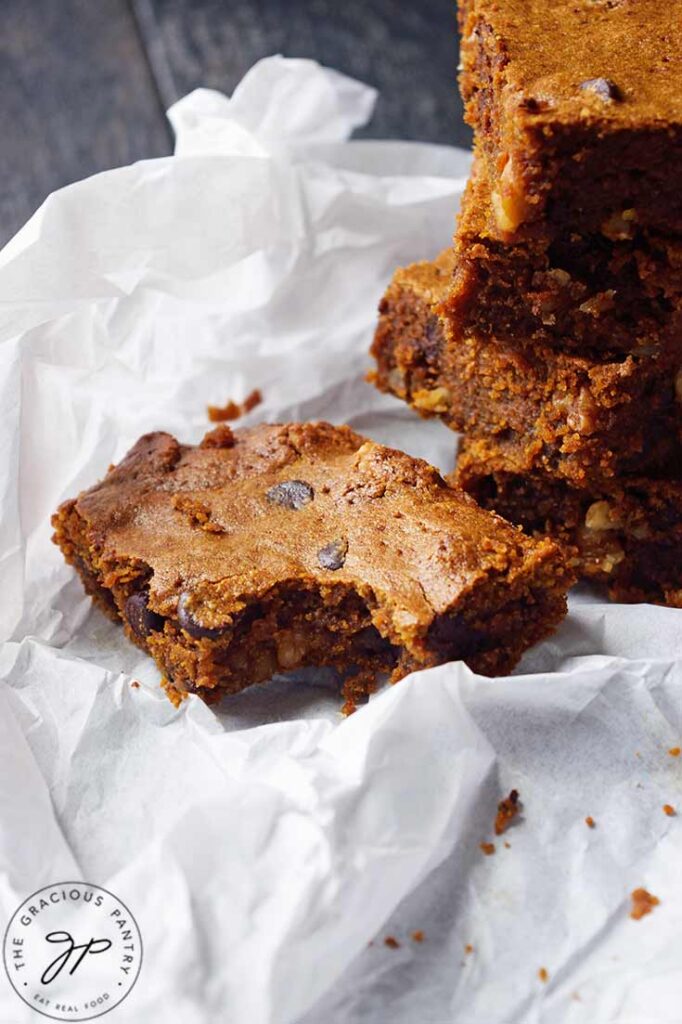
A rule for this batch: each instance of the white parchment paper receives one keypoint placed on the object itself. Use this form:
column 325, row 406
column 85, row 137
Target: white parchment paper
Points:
column 262, row 845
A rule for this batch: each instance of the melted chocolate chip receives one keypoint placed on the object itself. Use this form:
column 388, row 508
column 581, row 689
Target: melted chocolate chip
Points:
column 450, row 637
column 292, row 494
column 141, row 618
column 332, row 556
column 370, row 641
column 190, row 625
column 433, row 341
column 604, row 88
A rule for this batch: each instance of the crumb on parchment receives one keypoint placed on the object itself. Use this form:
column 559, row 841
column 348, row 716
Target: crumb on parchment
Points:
column 135, row 685
column 590, row 822
column 507, row 810
column 391, row 942
column 642, row 903
column 542, row 974
column 669, row 810
column 487, row 848
column 675, row 751
column 418, row 936
column 468, row 948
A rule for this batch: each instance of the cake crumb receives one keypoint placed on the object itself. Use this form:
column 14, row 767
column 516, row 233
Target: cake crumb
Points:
column 542, row 974
column 232, row 410
column 487, row 848
column 418, row 936
column 507, row 845
column 220, row 413
column 135, row 685
column 391, row 942
column 675, row 751
column 507, row 810
column 468, row 948
column 642, row 903
column 253, row 399
column 669, row 810
column 590, row 822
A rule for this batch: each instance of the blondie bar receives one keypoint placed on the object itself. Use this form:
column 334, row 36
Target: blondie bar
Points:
column 627, row 535
column 278, row 547
column 582, row 419
column 577, row 108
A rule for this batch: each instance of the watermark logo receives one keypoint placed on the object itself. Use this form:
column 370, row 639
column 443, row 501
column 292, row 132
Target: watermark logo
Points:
column 72, row 951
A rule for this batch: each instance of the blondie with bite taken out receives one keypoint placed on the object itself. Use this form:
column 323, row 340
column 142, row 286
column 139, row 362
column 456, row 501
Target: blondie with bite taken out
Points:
column 269, row 549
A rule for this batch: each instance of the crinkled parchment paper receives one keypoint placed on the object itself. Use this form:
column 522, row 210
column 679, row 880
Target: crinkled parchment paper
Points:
column 263, row 844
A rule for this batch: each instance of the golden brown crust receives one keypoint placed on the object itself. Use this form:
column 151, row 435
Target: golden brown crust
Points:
column 304, row 544
column 578, row 107
column 547, row 50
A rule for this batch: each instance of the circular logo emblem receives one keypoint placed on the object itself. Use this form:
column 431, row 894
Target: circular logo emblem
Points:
column 72, row 951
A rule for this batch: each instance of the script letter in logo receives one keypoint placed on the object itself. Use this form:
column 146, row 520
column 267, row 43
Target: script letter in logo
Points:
column 72, row 951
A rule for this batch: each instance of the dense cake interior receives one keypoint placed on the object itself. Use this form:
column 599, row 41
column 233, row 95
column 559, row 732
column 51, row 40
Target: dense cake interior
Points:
column 305, row 624
column 628, row 537
column 617, row 290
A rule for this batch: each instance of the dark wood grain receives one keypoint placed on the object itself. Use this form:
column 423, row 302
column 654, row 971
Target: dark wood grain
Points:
column 76, row 96
column 84, row 83
column 407, row 50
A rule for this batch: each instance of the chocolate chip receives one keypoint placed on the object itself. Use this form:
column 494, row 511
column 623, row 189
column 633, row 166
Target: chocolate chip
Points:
column 370, row 641
column 332, row 556
column 291, row 494
column 450, row 637
column 190, row 625
column 141, row 618
column 433, row 341
column 604, row 88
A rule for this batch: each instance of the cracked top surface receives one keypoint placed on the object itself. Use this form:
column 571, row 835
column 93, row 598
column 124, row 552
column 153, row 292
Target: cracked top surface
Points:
column 618, row 62
column 246, row 511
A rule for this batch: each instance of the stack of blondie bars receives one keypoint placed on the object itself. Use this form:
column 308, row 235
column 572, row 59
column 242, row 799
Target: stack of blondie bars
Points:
column 551, row 333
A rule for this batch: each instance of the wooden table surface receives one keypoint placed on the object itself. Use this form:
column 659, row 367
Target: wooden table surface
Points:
column 85, row 83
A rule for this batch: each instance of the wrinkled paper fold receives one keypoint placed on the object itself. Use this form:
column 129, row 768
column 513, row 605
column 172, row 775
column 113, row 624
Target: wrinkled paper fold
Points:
column 264, row 843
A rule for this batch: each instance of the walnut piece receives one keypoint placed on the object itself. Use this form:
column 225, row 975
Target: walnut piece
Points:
column 620, row 226
column 433, row 400
column 291, row 648
column 600, row 516
column 508, row 201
